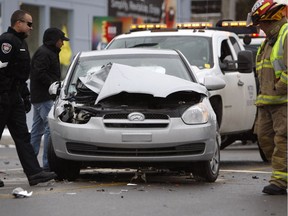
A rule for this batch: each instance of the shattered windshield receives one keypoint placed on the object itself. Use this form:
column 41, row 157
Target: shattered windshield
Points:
column 198, row 50
column 167, row 64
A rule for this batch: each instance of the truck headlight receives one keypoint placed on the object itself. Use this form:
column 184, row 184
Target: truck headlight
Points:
column 197, row 114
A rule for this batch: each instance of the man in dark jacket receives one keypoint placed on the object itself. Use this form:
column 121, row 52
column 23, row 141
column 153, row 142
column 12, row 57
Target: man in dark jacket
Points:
column 45, row 69
column 14, row 94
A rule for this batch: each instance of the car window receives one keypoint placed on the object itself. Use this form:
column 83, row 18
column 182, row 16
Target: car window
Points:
column 197, row 50
column 165, row 64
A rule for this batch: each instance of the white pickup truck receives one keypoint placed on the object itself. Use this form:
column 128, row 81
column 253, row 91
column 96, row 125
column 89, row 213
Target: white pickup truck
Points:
column 215, row 53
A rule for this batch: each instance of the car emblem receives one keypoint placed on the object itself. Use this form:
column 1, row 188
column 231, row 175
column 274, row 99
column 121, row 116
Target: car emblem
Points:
column 136, row 116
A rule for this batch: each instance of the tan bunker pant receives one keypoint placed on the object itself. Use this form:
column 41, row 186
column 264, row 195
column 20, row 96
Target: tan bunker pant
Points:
column 272, row 137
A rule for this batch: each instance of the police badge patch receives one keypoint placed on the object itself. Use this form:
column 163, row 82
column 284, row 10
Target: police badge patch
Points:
column 6, row 48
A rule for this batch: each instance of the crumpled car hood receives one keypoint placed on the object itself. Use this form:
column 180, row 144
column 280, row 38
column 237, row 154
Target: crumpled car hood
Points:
column 112, row 80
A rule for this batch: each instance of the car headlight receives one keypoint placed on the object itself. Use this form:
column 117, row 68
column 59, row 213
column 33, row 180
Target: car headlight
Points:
column 197, row 114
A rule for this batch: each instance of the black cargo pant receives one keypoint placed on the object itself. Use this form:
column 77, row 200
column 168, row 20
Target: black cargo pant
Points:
column 12, row 114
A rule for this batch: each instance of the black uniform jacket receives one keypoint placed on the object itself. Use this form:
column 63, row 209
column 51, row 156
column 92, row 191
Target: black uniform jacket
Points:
column 15, row 62
column 45, row 69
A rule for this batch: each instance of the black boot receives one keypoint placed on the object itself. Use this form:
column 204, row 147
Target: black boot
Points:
column 274, row 190
column 1, row 183
column 41, row 177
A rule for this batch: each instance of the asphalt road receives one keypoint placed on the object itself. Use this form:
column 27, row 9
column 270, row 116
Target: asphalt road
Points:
column 236, row 192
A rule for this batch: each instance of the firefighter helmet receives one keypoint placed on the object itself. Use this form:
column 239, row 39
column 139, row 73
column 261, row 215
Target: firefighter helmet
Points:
column 265, row 10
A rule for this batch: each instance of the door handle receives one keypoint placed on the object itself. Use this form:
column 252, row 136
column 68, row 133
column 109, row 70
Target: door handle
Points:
column 240, row 83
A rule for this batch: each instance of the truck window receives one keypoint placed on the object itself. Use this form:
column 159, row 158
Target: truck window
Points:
column 225, row 52
column 226, row 58
column 197, row 50
column 235, row 44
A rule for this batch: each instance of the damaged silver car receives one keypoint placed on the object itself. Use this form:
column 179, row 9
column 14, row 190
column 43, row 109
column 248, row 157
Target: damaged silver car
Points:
column 131, row 108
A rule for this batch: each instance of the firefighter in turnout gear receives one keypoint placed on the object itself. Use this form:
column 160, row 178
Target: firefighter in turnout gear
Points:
column 271, row 68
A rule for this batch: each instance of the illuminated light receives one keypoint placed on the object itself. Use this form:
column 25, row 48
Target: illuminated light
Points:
column 148, row 26
column 253, row 35
column 194, row 25
column 234, row 23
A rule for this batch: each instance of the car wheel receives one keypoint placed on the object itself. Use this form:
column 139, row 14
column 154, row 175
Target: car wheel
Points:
column 209, row 170
column 65, row 169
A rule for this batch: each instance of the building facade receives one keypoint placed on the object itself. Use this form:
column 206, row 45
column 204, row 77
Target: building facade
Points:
column 85, row 20
column 79, row 16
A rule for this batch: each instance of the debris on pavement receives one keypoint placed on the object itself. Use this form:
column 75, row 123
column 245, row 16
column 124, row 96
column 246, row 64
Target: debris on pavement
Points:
column 20, row 193
column 139, row 175
column 71, row 193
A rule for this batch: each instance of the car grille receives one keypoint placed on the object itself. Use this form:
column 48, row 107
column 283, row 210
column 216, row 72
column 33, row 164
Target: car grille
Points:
column 125, row 116
column 91, row 150
column 120, row 120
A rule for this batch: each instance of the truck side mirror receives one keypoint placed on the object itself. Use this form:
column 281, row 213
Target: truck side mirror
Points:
column 245, row 61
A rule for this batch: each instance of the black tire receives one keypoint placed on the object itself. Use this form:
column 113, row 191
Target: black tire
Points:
column 226, row 141
column 262, row 155
column 209, row 170
column 65, row 169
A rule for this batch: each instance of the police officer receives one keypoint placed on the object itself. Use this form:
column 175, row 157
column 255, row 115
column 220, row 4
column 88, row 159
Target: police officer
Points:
column 271, row 68
column 14, row 94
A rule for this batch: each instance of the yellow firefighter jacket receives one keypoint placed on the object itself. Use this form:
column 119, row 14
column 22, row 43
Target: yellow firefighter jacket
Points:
column 271, row 68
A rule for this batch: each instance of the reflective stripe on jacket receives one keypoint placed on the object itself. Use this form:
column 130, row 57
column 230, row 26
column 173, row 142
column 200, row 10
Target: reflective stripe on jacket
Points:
column 271, row 69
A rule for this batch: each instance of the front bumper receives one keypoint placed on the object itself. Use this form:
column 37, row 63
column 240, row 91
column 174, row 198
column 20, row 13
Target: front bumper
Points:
column 93, row 141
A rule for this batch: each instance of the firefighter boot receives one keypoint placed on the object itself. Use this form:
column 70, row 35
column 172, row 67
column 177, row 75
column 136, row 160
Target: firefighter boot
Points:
column 274, row 190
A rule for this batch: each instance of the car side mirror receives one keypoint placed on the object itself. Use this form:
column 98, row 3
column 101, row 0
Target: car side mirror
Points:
column 214, row 83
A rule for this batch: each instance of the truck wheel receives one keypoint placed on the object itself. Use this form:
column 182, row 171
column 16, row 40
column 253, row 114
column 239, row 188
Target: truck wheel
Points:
column 262, row 155
column 209, row 170
column 65, row 169
column 226, row 141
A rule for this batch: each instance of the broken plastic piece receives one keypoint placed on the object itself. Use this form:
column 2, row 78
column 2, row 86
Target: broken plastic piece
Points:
column 20, row 193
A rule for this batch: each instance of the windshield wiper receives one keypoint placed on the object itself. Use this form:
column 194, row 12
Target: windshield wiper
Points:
column 144, row 45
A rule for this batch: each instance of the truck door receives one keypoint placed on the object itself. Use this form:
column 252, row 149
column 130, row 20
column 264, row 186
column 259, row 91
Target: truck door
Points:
column 239, row 93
